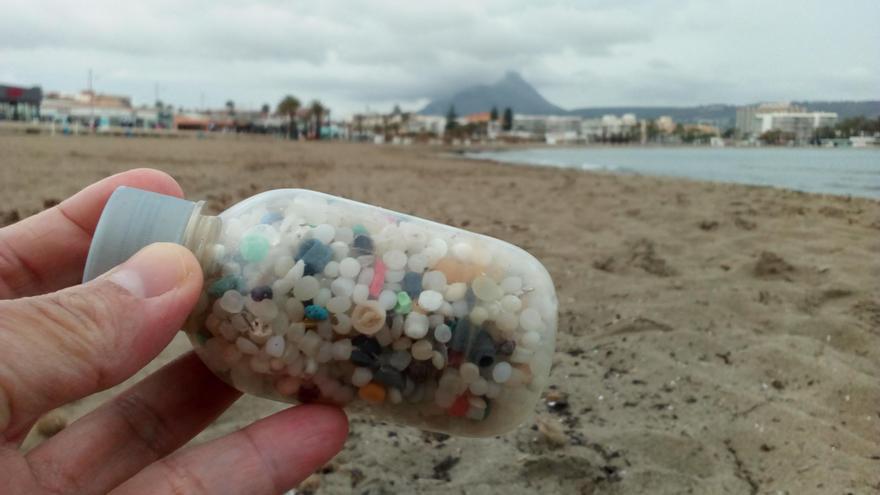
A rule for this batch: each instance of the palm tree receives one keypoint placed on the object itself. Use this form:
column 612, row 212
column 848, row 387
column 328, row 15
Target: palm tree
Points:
column 230, row 107
column 317, row 111
column 289, row 105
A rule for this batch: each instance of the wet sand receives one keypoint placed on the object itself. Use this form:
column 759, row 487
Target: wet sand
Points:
column 713, row 338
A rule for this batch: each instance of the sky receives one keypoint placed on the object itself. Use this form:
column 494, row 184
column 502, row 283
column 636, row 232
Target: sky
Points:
column 358, row 55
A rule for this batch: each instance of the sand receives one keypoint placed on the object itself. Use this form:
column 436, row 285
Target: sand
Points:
column 713, row 338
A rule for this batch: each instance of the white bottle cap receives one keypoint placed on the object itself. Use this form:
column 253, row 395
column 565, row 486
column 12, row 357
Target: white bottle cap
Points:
column 133, row 219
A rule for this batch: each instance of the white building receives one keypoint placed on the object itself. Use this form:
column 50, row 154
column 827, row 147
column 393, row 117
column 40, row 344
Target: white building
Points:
column 425, row 124
column 801, row 124
column 747, row 126
column 603, row 128
column 553, row 128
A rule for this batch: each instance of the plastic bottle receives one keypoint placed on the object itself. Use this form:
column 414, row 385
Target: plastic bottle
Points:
column 314, row 298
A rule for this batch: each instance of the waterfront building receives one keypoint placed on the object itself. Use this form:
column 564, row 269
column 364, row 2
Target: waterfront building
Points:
column 19, row 103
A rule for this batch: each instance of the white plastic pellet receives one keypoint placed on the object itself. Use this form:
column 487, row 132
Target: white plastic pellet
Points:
column 324, row 233
column 339, row 304
column 430, row 300
column 435, row 280
column 511, row 285
column 232, row 301
column 246, row 346
column 306, row 288
column 387, row 299
column 511, row 303
column 443, row 333
column 331, row 269
column 455, row 292
column 349, row 268
column 416, row 326
column 360, row 294
column 501, row 372
column 275, row 346
column 530, row 320
column 342, row 287
column 361, row 376
column 395, row 259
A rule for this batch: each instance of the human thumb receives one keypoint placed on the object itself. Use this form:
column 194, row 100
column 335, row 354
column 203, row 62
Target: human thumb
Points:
column 62, row 346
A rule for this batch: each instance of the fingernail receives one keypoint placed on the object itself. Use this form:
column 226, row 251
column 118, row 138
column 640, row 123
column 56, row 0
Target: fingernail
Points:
column 152, row 271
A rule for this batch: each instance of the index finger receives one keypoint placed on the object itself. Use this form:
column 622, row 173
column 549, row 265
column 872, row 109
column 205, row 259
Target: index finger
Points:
column 47, row 251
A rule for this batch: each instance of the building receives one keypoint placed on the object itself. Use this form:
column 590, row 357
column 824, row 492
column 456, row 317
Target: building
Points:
column 425, row 124
column 665, row 124
column 608, row 127
column 17, row 103
column 553, row 128
column 98, row 110
column 801, row 125
column 747, row 126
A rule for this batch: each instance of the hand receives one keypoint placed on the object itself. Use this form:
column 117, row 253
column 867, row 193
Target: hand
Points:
column 60, row 341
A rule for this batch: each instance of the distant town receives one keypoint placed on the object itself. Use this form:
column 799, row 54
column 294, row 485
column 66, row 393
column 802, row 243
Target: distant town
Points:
column 779, row 124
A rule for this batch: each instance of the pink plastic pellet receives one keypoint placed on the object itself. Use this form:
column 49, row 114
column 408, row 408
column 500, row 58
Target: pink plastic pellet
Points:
column 378, row 278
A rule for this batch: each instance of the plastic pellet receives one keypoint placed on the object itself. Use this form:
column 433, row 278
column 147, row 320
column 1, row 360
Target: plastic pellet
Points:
column 368, row 317
column 422, row 350
column 501, row 372
column 404, row 303
column 306, row 288
column 275, row 346
column 442, row 334
column 530, row 319
column 232, row 301
column 372, row 392
column 254, row 248
column 361, row 377
column 416, row 326
column 315, row 312
column 430, row 300
column 349, row 268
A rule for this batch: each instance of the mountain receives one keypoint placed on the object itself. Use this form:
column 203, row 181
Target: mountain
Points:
column 514, row 92
column 844, row 109
column 511, row 91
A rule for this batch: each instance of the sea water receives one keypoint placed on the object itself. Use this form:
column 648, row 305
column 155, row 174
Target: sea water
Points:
column 854, row 172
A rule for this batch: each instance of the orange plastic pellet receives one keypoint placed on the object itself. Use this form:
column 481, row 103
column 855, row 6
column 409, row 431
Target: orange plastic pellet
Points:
column 372, row 392
column 457, row 271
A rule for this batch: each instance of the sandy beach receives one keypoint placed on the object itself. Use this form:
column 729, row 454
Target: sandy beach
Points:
column 713, row 338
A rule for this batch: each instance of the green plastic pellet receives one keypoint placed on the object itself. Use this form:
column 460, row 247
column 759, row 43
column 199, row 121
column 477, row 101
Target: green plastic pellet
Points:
column 404, row 303
column 359, row 230
column 221, row 285
column 254, row 248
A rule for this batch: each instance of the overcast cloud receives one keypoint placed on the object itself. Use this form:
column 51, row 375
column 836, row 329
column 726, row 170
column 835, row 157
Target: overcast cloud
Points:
column 354, row 54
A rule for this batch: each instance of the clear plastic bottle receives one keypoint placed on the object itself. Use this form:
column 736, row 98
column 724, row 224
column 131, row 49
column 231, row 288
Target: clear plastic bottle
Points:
column 314, row 298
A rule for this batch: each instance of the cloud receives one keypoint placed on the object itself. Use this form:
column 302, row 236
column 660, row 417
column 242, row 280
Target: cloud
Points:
column 356, row 53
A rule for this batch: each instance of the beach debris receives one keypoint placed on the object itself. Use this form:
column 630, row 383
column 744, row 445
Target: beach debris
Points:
column 51, row 423
column 551, row 430
column 708, row 225
column 770, row 264
column 442, row 468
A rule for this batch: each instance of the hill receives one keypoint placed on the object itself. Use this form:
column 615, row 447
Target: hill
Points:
column 511, row 91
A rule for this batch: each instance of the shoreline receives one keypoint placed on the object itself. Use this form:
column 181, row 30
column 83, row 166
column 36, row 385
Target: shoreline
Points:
column 482, row 155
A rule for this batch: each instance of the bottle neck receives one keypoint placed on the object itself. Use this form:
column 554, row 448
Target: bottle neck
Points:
column 201, row 236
